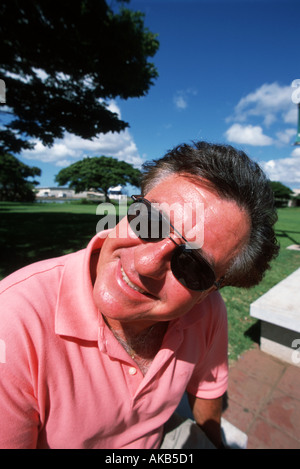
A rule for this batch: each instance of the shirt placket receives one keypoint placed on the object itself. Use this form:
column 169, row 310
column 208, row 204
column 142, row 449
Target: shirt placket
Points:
column 109, row 345
column 171, row 343
column 137, row 384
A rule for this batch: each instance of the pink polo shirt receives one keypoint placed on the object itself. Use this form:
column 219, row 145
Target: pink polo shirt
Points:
column 65, row 381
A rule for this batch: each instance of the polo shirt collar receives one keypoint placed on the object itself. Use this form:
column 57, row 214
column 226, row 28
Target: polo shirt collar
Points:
column 76, row 313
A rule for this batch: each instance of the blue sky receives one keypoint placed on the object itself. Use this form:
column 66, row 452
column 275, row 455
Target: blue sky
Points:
column 226, row 70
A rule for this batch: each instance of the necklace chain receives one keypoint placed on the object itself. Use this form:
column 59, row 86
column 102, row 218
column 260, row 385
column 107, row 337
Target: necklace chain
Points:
column 138, row 343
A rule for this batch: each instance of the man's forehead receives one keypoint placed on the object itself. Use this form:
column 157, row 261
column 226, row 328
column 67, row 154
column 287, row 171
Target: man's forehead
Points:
column 182, row 189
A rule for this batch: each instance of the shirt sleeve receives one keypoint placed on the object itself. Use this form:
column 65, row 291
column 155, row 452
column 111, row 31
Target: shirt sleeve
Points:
column 19, row 420
column 210, row 376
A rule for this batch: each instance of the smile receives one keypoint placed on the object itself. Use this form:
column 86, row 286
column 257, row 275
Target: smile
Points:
column 130, row 284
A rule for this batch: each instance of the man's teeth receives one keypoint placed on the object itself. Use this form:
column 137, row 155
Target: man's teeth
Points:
column 126, row 280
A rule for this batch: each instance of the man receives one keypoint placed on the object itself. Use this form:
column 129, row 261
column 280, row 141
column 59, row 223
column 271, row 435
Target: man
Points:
column 101, row 345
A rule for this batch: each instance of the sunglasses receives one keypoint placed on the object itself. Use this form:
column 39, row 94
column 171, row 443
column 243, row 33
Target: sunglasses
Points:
column 188, row 266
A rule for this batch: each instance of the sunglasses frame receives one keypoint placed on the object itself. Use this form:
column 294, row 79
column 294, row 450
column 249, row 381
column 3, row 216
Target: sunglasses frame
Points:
column 192, row 251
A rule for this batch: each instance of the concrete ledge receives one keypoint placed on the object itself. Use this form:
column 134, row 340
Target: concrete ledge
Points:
column 279, row 311
column 231, row 435
column 283, row 353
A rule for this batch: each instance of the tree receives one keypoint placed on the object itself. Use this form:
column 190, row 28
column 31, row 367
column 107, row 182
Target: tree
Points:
column 98, row 173
column 14, row 185
column 281, row 192
column 62, row 62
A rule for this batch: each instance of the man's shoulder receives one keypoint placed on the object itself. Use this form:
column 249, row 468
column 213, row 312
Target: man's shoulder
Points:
column 31, row 274
column 28, row 297
column 36, row 285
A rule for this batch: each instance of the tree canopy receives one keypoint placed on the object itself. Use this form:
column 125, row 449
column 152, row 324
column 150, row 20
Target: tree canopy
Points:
column 98, row 173
column 14, row 183
column 61, row 64
column 280, row 190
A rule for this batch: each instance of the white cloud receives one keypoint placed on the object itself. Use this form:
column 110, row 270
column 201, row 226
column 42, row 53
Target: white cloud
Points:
column 73, row 148
column 286, row 170
column 285, row 136
column 248, row 135
column 269, row 105
column 259, row 110
column 290, row 117
column 296, row 152
column 181, row 97
column 270, row 102
column 180, row 102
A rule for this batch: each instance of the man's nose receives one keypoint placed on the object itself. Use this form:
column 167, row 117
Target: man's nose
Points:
column 153, row 259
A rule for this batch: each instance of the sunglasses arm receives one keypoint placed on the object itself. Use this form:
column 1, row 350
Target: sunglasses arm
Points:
column 219, row 283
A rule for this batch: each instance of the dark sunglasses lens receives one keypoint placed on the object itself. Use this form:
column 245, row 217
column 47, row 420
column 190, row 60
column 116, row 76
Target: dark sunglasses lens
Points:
column 147, row 222
column 191, row 270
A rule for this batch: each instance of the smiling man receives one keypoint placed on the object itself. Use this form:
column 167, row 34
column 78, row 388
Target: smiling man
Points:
column 102, row 344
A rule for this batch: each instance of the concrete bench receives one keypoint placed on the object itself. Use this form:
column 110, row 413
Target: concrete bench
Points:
column 279, row 312
column 231, row 435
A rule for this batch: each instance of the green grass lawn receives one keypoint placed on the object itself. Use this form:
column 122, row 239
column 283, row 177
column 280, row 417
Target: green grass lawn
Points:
column 32, row 232
column 244, row 330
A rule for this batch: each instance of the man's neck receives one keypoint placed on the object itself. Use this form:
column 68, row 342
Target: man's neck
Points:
column 129, row 328
column 141, row 343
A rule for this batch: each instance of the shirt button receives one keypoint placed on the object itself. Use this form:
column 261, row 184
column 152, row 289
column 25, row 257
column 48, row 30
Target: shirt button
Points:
column 132, row 371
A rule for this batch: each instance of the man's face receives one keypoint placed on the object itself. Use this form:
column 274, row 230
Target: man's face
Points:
column 134, row 280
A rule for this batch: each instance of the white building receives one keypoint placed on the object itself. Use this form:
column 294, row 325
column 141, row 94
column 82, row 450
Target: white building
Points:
column 294, row 200
column 114, row 193
column 65, row 193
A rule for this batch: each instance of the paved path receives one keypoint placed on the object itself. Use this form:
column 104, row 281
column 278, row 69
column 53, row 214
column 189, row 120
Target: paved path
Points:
column 263, row 401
